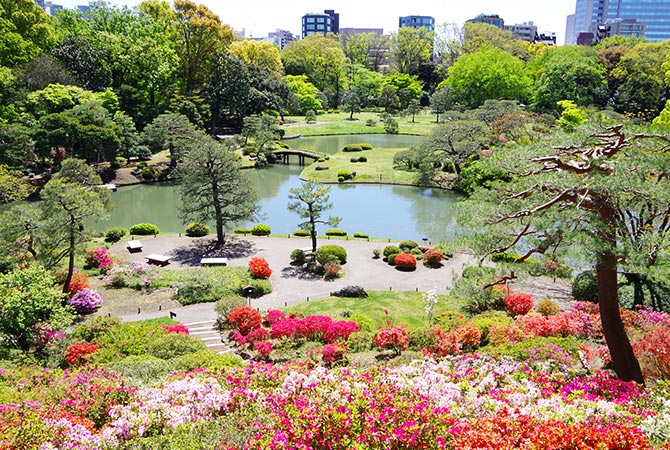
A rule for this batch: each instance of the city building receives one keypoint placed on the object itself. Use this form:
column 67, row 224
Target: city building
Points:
column 328, row 22
column 651, row 17
column 491, row 19
column 426, row 22
column 48, row 6
column 526, row 31
column 281, row 38
column 618, row 27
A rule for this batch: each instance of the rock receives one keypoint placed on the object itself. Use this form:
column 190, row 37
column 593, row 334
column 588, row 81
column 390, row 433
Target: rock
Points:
column 350, row 291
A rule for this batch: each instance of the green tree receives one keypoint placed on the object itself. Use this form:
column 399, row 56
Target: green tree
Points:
column 29, row 297
column 351, row 102
column 88, row 62
column 407, row 87
column 441, row 101
column 69, row 200
column 587, row 194
column 259, row 53
column 413, row 108
column 265, row 131
column 571, row 116
column 489, row 73
column 410, row 47
column 169, row 131
column 477, row 36
column 12, row 186
column 229, row 90
column 25, row 32
column 213, row 188
column 310, row 202
column 358, row 47
column 456, row 141
column 306, row 93
column 388, row 99
column 16, row 145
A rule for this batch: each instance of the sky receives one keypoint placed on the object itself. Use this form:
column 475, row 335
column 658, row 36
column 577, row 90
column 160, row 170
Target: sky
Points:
column 259, row 17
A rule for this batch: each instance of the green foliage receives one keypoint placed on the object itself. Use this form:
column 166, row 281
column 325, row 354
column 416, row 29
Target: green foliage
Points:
column 261, row 287
column 261, row 230
column 172, row 345
column 204, row 284
column 365, row 323
column 301, row 233
column 407, row 246
column 390, row 259
column 115, row 234
column 485, row 320
column 547, row 307
column 310, row 203
column 310, row 116
column 344, row 174
column 340, row 179
column 585, row 286
column 336, row 233
column 571, row 116
column 476, row 175
column 557, row 350
column 228, row 303
column 142, row 369
column 361, row 341
column 197, row 229
column 92, row 330
column 390, row 249
column 362, row 159
column 307, row 95
column 361, row 235
column 391, row 126
column 352, row 148
column 243, row 231
column 298, row 256
column 331, row 252
column 207, row 359
column 144, row 229
column 504, row 257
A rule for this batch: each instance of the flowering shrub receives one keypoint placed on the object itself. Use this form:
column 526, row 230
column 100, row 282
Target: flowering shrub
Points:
column 78, row 282
column 258, row 335
column 86, row 301
column 264, row 348
column 445, row 343
column 175, row 329
column 394, row 338
column 548, row 307
column 314, row 328
column 245, row 319
column 274, row 315
column 340, row 330
column 138, row 275
column 99, row 258
column 433, row 257
column 405, row 261
column 519, row 304
column 333, row 353
column 331, row 270
column 259, row 268
column 79, row 353
column 653, row 351
column 45, row 334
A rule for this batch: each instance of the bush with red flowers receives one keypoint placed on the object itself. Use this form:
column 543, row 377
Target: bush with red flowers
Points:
column 245, row 319
column 405, row 262
column 175, row 329
column 264, row 348
column 259, row 268
column 78, row 282
column 79, row 353
column 258, row 335
column 519, row 304
column 393, row 338
column 433, row 257
column 273, row 316
column 98, row 258
column 334, row 353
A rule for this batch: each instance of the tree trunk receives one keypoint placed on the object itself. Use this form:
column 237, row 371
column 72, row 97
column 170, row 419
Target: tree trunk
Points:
column 625, row 363
column 70, row 263
column 218, row 216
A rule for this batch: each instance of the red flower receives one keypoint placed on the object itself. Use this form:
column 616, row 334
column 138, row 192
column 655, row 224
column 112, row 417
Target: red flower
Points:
column 395, row 338
column 259, row 268
column 80, row 352
column 245, row 319
column 519, row 304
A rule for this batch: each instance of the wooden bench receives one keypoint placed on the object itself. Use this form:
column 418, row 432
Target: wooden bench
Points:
column 214, row 262
column 134, row 246
column 156, row 258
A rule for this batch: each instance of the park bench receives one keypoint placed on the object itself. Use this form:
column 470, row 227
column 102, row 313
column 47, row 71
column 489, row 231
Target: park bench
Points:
column 158, row 259
column 214, row 262
column 134, row 246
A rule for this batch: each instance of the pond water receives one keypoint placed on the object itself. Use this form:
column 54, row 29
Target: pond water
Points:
column 395, row 212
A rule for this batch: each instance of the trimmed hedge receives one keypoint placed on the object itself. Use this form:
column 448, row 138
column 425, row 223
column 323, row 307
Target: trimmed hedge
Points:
column 361, row 235
column 115, row 234
column 336, row 233
column 365, row 146
column 362, row 159
column 301, row 233
column 344, row 174
column 243, row 231
column 261, row 230
column 144, row 229
column 352, row 148
column 325, row 254
column 197, row 230
column 390, row 249
column 261, row 287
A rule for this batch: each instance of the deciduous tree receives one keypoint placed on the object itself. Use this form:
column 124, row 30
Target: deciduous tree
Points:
column 410, row 47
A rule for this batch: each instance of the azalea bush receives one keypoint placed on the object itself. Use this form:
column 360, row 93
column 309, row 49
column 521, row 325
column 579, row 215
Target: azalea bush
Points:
column 405, row 262
column 99, row 258
column 175, row 329
column 519, row 304
column 433, row 257
column 259, row 268
column 78, row 282
column 314, row 328
column 245, row 319
column 85, row 301
column 392, row 338
column 80, row 353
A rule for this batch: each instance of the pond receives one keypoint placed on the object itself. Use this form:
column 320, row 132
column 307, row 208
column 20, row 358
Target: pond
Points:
column 395, row 212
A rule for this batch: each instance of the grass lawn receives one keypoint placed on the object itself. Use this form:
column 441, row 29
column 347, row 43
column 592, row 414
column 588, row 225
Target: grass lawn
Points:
column 406, row 308
column 339, row 123
column 378, row 168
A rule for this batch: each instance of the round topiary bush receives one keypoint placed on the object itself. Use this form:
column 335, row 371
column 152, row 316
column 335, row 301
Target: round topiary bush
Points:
column 389, row 250
column 405, row 262
column 301, row 233
column 361, row 235
column 548, row 307
column 352, row 148
column 261, row 230
column 344, row 174
column 362, row 159
column 390, row 259
column 298, row 257
column 365, row 146
column 197, row 230
column 353, row 160
column 144, row 229
column 433, row 257
column 407, row 246
column 340, row 179
column 336, row 233
column 115, row 234
column 327, row 252
column 585, row 286
column 243, row 231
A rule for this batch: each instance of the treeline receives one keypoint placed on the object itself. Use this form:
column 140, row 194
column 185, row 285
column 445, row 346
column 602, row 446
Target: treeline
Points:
column 88, row 87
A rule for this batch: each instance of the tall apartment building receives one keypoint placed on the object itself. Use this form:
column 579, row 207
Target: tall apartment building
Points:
column 426, row 22
column 328, row 22
column 491, row 19
column 281, row 38
column 651, row 17
column 48, row 6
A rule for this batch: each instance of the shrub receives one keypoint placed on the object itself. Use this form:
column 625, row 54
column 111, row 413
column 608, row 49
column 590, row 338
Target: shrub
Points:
column 148, row 173
column 264, row 348
column 196, row 230
column 310, row 116
column 245, row 319
column 79, row 353
column 519, row 304
column 92, row 330
column 391, row 126
column 340, row 179
column 365, row 146
column 144, row 229
column 548, row 307
column 333, row 251
column 225, row 305
column 261, row 230
column 391, row 259
column 261, row 287
column 344, row 174
column 85, row 301
column 418, row 254
column 376, row 253
column 393, row 338
column 298, row 257
column 585, row 287
column 175, row 329
column 98, row 258
column 405, row 262
column 243, row 231
column 653, row 351
column 486, row 320
column 353, row 160
column 390, row 249
column 206, row 359
column 334, row 353
column 336, row 233
column 352, row 148
column 115, row 234
column 301, row 233
column 361, row 235
column 331, row 270
column 407, row 246
column 78, row 282
column 433, row 257
column 448, row 320
column 370, row 123
column 362, row 159
column 172, row 345
column 259, row 268
column 274, row 315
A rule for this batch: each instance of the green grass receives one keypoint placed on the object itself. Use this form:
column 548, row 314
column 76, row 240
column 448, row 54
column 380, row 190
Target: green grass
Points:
column 339, row 123
column 404, row 308
column 377, row 169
